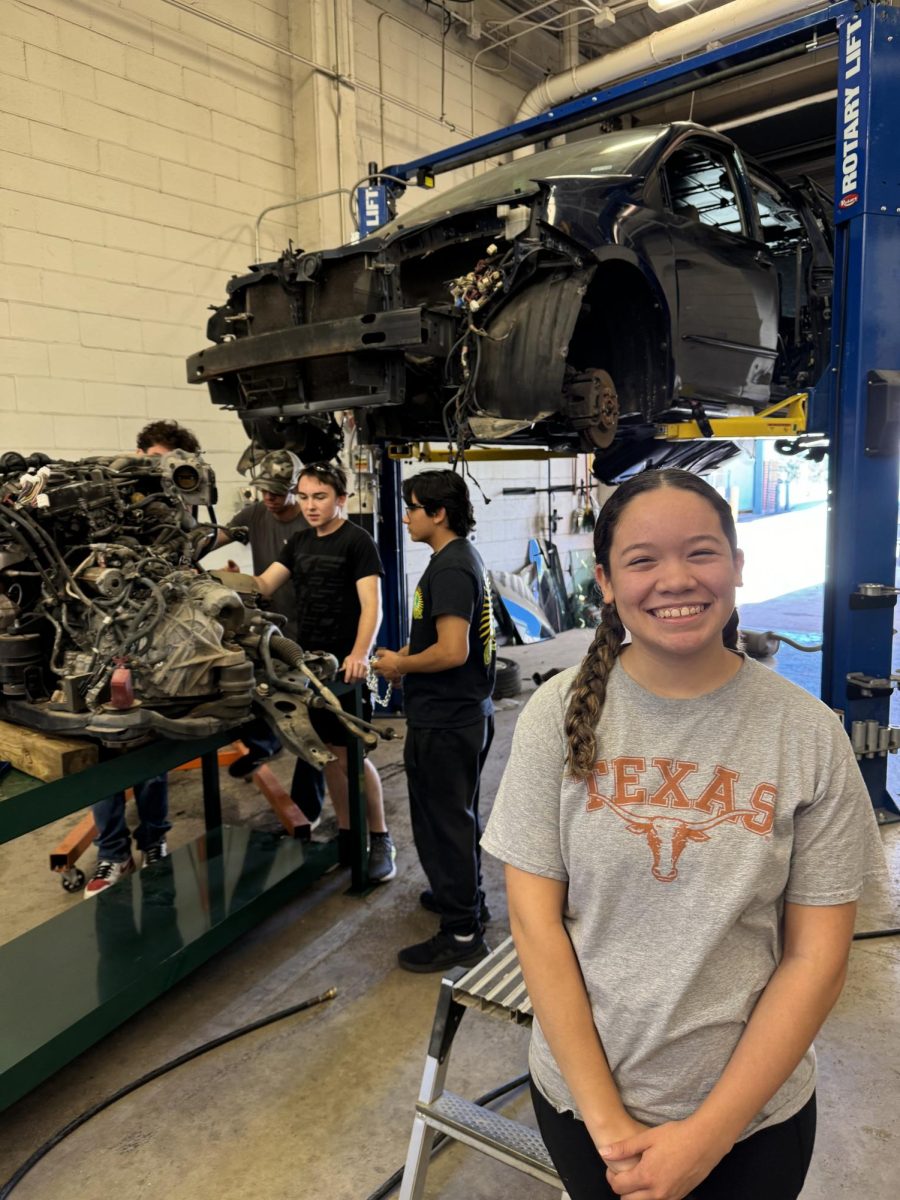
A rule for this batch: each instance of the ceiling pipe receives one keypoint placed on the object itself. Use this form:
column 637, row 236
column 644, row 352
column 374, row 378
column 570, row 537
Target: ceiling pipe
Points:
column 571, row 56
column 778, row 111
column 661, row 47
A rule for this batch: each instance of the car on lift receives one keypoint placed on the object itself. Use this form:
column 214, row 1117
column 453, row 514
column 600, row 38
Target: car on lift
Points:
column 574, row 298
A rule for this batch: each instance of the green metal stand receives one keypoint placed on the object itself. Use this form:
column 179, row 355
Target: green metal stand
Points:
column 68, row 982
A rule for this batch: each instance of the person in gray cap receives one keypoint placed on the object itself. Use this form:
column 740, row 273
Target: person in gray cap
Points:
column 271, row 520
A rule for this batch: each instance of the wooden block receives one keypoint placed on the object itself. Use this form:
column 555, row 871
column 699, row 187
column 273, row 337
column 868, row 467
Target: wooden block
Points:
column 287, row 812
column 44, row 755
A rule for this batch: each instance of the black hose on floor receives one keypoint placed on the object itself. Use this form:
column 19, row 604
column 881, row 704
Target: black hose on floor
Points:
column 442, row 1139
column 383, row 1190
column 16, row 1178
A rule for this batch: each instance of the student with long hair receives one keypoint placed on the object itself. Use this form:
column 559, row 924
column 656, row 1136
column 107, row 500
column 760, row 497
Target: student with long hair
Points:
column 685, row 836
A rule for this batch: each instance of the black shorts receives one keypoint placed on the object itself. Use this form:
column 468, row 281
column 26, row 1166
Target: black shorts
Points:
column 330, row 729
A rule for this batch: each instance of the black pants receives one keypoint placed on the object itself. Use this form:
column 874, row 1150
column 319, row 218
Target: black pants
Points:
column 308, row 789
column 769, row 1165
column 443, row 772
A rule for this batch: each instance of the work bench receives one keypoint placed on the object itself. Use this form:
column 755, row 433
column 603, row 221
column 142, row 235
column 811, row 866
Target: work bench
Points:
column 69, row 981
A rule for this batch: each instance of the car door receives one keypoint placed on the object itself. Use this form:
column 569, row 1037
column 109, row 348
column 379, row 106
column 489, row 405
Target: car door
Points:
column 727, row 336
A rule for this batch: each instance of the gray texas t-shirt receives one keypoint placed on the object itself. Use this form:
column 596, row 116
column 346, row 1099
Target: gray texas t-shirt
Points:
column 701, row 818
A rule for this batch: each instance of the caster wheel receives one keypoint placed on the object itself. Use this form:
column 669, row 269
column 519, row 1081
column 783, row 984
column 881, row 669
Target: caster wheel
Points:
column 73, row 880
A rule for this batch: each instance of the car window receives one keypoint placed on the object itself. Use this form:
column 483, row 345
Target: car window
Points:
column 701, row 188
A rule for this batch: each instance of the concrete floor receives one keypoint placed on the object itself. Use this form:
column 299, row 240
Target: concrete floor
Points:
column 321, row 1104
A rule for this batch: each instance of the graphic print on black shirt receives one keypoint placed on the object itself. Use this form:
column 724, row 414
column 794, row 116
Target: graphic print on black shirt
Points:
column 325, row 572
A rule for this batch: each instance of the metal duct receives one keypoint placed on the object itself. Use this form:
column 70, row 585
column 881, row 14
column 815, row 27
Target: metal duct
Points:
column 686, row 37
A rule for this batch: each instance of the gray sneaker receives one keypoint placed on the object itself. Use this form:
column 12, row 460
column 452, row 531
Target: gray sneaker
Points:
column 382, row 858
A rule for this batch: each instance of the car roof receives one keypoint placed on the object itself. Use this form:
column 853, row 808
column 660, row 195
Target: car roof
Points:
column 610, row 156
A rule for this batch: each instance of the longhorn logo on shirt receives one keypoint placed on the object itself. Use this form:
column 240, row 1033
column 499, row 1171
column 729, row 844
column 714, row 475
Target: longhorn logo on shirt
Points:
column 651, row 801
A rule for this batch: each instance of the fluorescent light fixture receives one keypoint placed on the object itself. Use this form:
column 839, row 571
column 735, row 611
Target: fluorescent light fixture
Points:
column 665, row 5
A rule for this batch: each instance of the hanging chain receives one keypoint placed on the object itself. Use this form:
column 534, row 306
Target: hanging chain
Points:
column 372, row 685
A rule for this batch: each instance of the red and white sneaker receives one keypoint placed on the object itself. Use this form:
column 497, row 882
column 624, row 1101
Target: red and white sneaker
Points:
column 106, row 874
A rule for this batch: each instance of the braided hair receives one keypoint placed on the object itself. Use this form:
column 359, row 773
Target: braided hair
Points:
column 588, row 693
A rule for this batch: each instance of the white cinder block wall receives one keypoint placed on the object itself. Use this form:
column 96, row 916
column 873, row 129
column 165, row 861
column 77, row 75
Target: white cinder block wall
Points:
column 140, row 140
column 137, row 144
column 506, row 523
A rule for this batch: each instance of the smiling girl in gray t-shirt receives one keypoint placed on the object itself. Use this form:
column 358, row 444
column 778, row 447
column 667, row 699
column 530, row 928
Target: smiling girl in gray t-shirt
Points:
column 685, row 836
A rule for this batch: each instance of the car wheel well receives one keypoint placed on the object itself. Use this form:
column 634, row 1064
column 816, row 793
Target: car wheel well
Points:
column 623, row 330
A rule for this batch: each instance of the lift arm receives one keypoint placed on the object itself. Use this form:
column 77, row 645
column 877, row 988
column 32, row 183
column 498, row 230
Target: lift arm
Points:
column 786, row 419
column 700, row 70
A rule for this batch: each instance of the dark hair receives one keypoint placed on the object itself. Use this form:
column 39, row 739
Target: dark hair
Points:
column 328, row 473
column 446, row 490
column 589, row 689
column 169, row 434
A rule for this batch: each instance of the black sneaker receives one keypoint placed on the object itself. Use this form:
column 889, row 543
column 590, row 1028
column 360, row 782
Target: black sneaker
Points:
column 244, row 766
column 155, row 854
column 427, row 900
column 442, row 951
column 382, row 858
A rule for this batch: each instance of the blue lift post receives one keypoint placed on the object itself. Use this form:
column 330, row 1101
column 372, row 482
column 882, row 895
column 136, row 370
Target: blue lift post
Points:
column 865, row 452
column 856, row 405
column 393, row 632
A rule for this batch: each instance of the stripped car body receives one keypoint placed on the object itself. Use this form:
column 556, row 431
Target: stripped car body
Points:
column 108, row 628
column 574, row 298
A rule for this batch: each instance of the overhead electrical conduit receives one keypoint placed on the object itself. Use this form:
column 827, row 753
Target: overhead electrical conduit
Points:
column 659, row 48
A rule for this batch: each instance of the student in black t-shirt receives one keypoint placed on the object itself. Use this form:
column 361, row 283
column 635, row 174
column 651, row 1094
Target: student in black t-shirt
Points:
column 447, row 671
column 336, row 572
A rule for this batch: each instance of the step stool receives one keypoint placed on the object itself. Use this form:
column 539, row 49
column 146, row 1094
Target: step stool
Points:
column 496, row 987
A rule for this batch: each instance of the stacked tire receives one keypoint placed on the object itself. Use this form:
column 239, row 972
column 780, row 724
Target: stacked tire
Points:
column 508, row 682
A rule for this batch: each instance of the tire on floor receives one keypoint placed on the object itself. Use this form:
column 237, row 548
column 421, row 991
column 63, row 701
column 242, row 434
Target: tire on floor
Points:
column 509, row 680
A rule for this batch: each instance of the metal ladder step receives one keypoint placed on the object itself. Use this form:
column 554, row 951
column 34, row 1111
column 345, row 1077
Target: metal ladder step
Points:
column 495, row 1135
